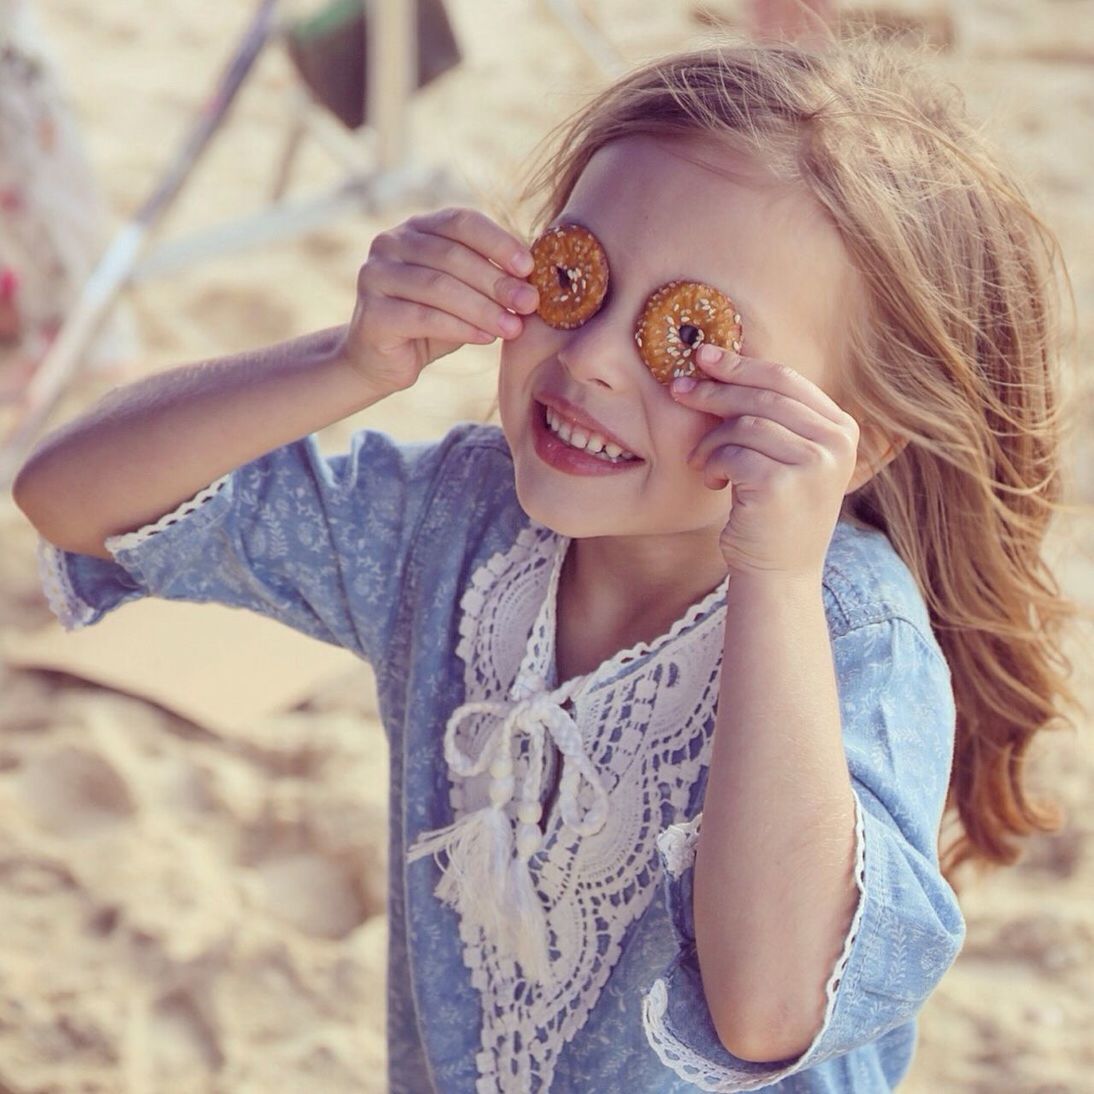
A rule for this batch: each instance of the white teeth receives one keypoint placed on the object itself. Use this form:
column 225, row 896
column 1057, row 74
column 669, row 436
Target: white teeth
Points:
column 576, row 437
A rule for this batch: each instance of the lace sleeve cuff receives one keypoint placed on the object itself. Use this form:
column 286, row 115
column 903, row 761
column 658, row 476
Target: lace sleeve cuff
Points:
column 127, row 541
column 81, row 589
column 674, row 1013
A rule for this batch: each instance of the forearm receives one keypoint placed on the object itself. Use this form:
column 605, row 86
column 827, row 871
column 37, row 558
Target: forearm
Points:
column 774, row 888
column 148, row 446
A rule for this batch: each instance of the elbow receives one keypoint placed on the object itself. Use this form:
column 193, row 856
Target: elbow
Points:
column 31, row 492
column 753, row 1022
column 28, row 499
column 38, row 502
column 758, row 1040
column 20, row 488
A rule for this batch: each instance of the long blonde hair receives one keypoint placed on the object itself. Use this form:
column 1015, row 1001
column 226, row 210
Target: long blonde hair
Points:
column 956, row 352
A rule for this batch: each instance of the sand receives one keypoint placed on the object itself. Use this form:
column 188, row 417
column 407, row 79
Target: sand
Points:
column 187, row 910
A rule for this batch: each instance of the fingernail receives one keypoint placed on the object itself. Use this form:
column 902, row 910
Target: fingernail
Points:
column 525, row 297
column 684, row 384
column 709, row 354
column 523, row 263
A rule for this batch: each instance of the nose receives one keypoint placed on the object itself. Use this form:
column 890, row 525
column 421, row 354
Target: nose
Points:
column 601, row 351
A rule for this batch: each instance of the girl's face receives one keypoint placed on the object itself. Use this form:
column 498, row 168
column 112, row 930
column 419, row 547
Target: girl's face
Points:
column 661, row 216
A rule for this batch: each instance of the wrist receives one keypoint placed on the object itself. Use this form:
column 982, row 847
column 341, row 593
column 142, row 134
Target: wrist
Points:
column 338, row 359
column 775, row 585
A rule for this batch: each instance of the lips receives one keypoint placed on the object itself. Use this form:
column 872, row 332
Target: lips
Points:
column 578, row 438
column 563, row 457
column 576, row 419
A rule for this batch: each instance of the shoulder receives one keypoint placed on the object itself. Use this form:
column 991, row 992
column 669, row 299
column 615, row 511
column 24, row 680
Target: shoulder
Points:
column 468, row 449
column 478, row 442
column 470, row 457
column 472, row 497
column 474, row 461
column 867, row 582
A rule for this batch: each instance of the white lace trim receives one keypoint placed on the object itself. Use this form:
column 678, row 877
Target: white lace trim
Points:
column 69, row 609
column 128, row 540
column 645, row 730
column 541, row 548
column 674, row 1054
column 63, row 601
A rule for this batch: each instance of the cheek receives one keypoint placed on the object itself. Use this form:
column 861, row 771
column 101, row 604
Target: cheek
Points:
column 683, row 429
column 517, row 357
column 517, row 360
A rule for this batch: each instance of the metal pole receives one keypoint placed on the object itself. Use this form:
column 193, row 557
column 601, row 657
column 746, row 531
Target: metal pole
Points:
column 599, row 49
column 112, row 273
column 391, row 75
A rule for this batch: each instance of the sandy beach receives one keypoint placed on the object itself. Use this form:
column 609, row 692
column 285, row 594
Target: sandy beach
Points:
column 190, row 909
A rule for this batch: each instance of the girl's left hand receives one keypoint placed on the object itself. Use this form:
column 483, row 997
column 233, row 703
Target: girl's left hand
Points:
column 789, row 452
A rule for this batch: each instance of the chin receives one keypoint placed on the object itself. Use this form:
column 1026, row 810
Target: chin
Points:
column 562, row 518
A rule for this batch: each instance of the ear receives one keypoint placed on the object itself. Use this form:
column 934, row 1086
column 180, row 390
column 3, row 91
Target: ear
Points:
column 875, row 450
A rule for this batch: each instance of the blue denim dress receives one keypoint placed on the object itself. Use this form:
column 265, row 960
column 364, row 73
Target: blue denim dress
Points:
column 408, row 555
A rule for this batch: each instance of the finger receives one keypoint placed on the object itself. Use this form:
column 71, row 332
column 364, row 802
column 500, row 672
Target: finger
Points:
column 732, row 400
column 443, row 291
column 761, row 435
column 483, row 235
column 408, row 320
column 756, row 372
column 732, row 463
column 440, row 253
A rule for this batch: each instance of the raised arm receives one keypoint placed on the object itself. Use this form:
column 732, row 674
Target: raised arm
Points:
column 429, row 286
column 146, row 447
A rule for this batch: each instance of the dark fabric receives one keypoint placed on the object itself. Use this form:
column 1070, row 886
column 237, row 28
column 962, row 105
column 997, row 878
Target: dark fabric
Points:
column 330, row 51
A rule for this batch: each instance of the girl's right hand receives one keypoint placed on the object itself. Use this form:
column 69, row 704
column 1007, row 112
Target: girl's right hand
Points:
column 430, row 285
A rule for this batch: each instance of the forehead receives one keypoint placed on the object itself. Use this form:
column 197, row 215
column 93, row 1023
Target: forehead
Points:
column 674, row 209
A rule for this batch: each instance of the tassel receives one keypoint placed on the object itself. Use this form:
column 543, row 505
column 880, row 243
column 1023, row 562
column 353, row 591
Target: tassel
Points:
column 488, row 885
column 478, row 848
column 526, row 930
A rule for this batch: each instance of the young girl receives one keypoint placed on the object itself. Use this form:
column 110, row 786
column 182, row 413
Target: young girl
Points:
column 678, row 677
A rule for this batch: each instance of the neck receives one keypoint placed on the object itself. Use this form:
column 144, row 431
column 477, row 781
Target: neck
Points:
column 636, row 587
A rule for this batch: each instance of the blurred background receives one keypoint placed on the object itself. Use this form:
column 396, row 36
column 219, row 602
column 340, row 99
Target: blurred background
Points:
column 193, row 805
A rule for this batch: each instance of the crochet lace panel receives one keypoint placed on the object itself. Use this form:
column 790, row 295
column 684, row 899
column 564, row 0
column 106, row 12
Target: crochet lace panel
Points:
column 697, row 1069
column 646, row 718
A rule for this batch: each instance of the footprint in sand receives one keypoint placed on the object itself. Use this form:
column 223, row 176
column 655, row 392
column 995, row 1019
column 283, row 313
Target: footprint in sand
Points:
column 75, row 792
column 316, row 895
column 174, row 1037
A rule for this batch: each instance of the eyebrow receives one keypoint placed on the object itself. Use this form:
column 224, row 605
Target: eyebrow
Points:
column 744, row 308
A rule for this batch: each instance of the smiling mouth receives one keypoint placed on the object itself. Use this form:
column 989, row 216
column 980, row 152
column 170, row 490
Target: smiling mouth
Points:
column 580, row 438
